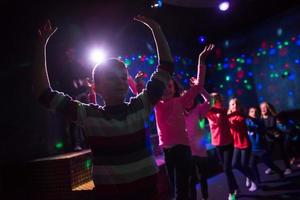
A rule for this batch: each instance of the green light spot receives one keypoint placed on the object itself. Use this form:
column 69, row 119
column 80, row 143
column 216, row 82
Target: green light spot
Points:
column 280, row 46
column 127, row 62
column 245, row 81
column 285, row 73
column 227, row 78
column 151, row 61
column 59, row 145
column 258, row 54
column 88, row 163
column 286, row 43
column 201, row 123
column 221, row 86
column 249, row 87
column 219, row 68
column 272, row 75
column 239, row 68
column 264, row 52
column 276, row 75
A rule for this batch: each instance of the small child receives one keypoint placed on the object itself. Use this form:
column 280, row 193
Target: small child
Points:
column 256, row 132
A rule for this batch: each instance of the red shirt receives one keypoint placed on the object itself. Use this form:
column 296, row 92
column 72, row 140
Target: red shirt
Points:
column 238, row 130
column 219, row 127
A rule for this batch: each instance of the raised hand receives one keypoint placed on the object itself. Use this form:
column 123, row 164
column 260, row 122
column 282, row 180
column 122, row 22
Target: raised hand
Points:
column 207, row 50
column 46, row 31
column 193, row 81
column 140, row 75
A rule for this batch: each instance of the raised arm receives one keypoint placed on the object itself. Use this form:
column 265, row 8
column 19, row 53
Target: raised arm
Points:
column 40, row 75
column 201, row 64
column 162, row 46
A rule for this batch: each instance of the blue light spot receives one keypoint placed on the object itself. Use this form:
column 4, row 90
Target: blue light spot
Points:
column 297, row 61
column 250, row 74
column 229, row 92
column 298, row 42
column 291, row 93
column 261, row 98
column 259, row 86
column 272, row 51
column 225, row 66
column 292, row 76
column 226, row 59
column 249, row 61
column 152, row 117
column 271, row 66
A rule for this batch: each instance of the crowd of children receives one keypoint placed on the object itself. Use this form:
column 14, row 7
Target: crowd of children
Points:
column 124, row 166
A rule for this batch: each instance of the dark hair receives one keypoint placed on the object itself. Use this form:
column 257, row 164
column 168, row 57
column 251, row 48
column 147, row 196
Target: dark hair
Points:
column 108, row 64
column 176, row 87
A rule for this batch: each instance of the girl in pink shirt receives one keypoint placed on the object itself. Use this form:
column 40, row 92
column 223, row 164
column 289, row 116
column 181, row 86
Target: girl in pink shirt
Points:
column 195, row 124
column 173, row 138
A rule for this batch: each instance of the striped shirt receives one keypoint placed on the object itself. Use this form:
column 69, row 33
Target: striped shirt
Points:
column 122, row 159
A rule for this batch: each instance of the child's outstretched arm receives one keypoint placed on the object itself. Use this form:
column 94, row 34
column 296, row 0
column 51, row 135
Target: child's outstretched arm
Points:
column 40, row 75
column 162, row 46
column 201, row 64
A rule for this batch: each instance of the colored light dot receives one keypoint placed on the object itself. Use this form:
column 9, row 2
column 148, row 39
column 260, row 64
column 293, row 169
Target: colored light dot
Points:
column 276, row 75
column 88, row 163
column 229, row 92
column 239, row 68
column 219, row 68
column 245, row 81
column 264, row 52
column 59, row 145
column 285, row 73
column 280, row 46
column 201, row 123
column 272, row 75
column 258, row 54
column 290, row 93
column 279, row 31
column 286, row 43
column 221, row 86
column 259, row 86
column 227, row 78
column 248, row 87
column 250, row 74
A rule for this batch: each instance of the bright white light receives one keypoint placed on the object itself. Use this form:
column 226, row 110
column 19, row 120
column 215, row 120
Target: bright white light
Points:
column 224, row 5
column 97, row 56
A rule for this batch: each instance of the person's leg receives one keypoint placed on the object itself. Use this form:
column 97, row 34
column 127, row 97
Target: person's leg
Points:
column 282, row 150
column 266, row 158
column 182, row 158
column 169, row 161
column 253, row 166
column 270, row 150
column 194, row 178
column 202, row 166
column 226, row 153
column 245, row 156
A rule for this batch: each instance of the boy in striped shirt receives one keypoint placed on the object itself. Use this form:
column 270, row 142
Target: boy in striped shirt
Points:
column 124, row 166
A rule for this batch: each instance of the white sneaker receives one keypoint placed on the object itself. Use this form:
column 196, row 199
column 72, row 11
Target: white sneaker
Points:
column 287, row 171
column 231, row 197
column 253, row 187
column 268, row 171
column 247, row 182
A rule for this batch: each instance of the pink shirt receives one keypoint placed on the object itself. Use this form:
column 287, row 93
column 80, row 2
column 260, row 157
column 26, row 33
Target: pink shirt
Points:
column 219, row 127
column 170, row 121
column 195, row 132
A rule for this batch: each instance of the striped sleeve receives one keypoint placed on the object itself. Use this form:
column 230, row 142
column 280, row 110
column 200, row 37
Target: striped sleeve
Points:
column 59, row 102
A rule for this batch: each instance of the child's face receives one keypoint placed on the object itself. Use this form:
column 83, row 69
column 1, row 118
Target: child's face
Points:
column 113, row 86
column 169, row 91
column 253, row 113
column 232, row 105
column 263, row 109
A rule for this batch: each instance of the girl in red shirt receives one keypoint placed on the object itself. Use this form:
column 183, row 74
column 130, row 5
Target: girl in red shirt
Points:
column 238, row 130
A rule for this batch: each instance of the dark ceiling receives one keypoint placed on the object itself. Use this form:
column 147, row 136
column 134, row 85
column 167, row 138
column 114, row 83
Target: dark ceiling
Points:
column 109, row 18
